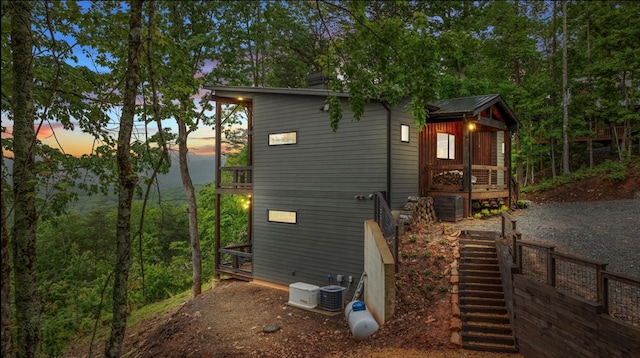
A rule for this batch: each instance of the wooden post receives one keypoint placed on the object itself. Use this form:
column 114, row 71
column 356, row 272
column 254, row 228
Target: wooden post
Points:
column 551, row 267
column 600, row 283
column 467, row 160
column 218, row 164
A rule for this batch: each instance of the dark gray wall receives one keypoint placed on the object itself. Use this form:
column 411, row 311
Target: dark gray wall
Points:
column 404, row 158
column 318, row 178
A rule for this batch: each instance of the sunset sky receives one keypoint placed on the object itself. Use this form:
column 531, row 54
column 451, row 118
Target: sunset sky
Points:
column 76, row 142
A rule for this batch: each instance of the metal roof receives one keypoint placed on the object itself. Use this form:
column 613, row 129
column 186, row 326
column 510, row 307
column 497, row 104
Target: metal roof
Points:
column 459, row 108
column 235, row 91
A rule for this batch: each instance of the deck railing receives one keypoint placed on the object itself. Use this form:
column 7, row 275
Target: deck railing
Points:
column 384, row 218
column 236, row 177
column 236, row 260
column 483, row 177
column 618, row 294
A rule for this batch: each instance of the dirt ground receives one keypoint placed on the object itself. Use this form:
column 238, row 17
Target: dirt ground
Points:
column 229, row 319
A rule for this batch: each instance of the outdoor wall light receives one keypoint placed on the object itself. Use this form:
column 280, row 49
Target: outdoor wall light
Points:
column 325, row 108
column 471, row 126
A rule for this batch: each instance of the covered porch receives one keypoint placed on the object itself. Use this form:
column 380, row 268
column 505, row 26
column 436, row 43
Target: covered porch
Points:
column 465, row 150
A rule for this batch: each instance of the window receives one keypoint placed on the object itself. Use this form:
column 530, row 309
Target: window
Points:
column 404, row 133
column 279, row 216
column 283, row 138
column 446, row 146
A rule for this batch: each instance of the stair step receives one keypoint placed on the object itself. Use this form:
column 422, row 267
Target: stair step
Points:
column 482, row 294
column 488, row 338
column 479, row 273
column 482, row 318
column 477, row 248
column 481, row 254
column 482, row 301
column 480, row 287
column 478, row 279
column 479, row 260
column 478, row 243
column 474, row 346
column 487, row 328
column 483, row 309
column 465, row 266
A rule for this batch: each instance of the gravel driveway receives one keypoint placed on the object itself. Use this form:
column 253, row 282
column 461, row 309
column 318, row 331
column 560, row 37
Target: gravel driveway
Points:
column 605, row 231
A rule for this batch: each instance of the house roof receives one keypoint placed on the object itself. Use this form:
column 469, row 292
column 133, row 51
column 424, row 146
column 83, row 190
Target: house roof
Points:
column 248, row 92
column 493, row 105
column 443, row 111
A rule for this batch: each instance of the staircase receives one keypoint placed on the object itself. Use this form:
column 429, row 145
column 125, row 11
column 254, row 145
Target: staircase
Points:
column 485, row 322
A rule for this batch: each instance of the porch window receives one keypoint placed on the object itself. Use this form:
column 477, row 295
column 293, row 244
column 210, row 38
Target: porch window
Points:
column 279, row 216
column 446, row 146
column 404, row 133
column 283, row 138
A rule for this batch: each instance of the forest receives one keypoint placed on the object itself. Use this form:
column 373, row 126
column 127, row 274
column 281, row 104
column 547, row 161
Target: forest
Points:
column 130, row 75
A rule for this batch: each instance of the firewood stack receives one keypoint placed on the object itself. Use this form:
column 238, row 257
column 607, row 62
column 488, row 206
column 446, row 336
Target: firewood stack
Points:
column 418, row 210
column 453, row 177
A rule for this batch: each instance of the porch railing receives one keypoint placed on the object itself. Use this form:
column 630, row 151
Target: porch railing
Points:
column 384, row 218
column 483, row 177
column 236, row 177
column 236, row 260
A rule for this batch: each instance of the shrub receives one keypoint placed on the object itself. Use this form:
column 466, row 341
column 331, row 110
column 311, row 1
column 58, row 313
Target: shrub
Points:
column 427, row 272
column 485, row 212
column 477, row 216
column 427, row 255
column 412, row 272
column 413, row 238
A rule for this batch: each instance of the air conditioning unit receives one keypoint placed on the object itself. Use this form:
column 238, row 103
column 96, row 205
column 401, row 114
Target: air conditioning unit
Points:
column 303, row 295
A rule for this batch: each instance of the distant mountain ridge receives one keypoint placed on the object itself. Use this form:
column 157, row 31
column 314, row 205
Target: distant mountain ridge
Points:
column 202, row 169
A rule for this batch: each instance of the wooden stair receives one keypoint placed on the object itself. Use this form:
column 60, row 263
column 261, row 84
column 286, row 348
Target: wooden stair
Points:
column 485, row 321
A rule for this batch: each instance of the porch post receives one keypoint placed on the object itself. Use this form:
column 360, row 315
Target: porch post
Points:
column 466, row 162
column 217, row 187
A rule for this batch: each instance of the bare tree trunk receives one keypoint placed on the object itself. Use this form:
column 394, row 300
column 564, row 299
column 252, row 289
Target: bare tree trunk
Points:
column 196, row 254
column 127, row 181
column 554, row 81
column 24, row 183
column 565, row 92
column 7, row 337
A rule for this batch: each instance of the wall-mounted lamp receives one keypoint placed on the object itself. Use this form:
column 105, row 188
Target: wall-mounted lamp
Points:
column 325, row 108
column 471, row 126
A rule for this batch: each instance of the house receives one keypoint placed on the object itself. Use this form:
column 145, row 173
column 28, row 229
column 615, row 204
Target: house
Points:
column 465, row 150
column 311, row 188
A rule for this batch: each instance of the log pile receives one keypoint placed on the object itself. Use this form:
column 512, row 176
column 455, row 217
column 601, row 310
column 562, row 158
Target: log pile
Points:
column 453, row 177
column 418, row 210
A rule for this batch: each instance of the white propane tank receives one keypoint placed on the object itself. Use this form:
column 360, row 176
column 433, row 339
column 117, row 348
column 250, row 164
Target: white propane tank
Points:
column 361, row 322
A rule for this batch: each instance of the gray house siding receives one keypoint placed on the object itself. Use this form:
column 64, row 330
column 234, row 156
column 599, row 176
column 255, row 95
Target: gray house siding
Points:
column 404, row 158
column 318, row 178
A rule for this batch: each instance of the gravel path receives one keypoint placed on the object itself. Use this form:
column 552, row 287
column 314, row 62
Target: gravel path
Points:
column 605, row 231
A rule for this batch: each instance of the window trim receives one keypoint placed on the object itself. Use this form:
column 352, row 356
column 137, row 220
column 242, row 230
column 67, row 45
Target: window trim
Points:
column 451, row 146
column 290, row 221
column 283, row 134
column 404, row 139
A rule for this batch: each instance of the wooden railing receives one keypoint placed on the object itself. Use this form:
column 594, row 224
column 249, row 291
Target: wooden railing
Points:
column 618, row 294
column 238, row 260
column 387, row 223
column 483, row 177
column 236, row 177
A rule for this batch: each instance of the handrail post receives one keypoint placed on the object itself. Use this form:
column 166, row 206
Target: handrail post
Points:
column 604, row 283
column 551, row 267
column 599, row 283
column 516, row 236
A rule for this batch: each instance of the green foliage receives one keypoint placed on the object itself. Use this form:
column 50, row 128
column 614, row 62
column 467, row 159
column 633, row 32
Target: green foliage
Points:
column 427, row 255
column 413, row 239
column 430, row 287
column 477, row 216
column 426, row 272
column 444, row 289
column 411, row 272
column 485, row 212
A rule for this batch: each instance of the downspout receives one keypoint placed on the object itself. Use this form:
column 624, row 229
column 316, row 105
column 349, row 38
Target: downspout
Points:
column 386, row 106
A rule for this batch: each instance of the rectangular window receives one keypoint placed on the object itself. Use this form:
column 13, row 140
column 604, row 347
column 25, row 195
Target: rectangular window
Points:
column 404, row 133
column 283, row 138
column 446, row 146
column 279, row 216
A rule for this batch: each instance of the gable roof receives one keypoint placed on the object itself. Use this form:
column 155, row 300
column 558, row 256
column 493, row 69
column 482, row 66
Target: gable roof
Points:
column 469, row 107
